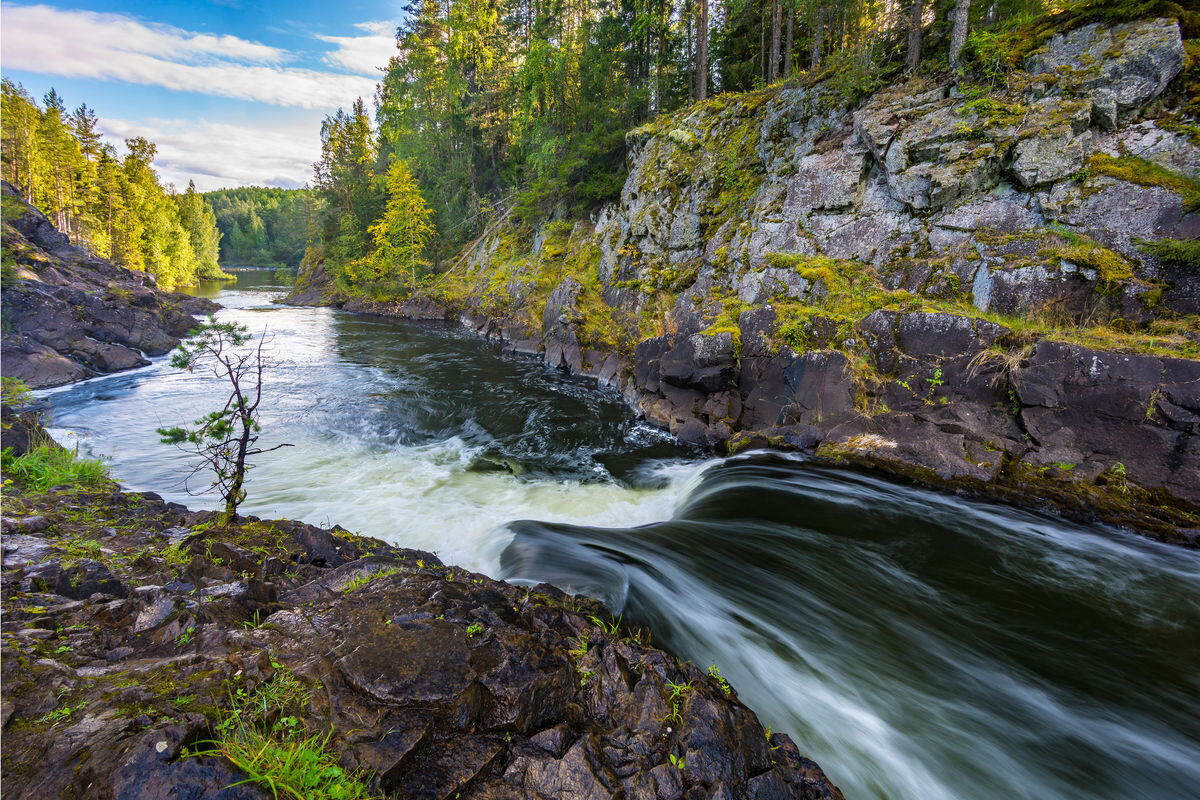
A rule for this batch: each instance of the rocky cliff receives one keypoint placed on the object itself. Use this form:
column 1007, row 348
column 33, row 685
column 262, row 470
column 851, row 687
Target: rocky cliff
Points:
column 151, row 652
column 71, row 315
column 989, row 286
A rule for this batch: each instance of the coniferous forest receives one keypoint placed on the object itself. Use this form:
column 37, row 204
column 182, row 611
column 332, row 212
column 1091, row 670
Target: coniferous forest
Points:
column 263, row 226
column 111, row 203
column 520, row 107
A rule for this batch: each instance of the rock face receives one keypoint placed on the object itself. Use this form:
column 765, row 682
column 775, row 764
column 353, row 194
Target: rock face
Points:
column 789, row 268
column 422, row 679
column 1120, row 69
column 71, row 315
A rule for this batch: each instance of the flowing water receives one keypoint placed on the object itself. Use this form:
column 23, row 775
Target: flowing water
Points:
column 916, row 645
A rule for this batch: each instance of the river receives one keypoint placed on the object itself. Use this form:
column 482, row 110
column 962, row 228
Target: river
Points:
column 916, row 645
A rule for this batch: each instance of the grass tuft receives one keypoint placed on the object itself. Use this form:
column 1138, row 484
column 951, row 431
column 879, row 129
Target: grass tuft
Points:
column 262, row 739
column 50, row 465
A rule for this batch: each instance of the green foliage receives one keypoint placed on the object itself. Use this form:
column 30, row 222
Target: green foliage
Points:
column 60, row 714
column 50, row 465
column 197, row 217
column 1184, row 252
column 347, row 182
column 265, row 226
column 851, row 74
column 677, row 691
column 113, row 205
column 399, row 237
column 715, row 674
column 15, row 392
column 998, row 51
column 362, row 580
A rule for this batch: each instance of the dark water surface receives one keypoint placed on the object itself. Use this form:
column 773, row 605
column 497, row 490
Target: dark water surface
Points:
column 915, row 645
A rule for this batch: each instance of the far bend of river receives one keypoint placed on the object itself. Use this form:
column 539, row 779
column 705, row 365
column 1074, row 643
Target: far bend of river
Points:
column 916, row 645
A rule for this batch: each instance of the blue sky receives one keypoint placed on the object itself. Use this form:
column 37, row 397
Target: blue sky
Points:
column 232, row 91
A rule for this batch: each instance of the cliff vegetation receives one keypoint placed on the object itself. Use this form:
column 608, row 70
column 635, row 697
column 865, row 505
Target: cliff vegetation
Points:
column 950, row 272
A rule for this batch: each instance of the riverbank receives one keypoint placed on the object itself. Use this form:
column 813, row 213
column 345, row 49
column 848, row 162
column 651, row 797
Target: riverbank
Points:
column 147, row 646
column 70, row 314
column 963, row 431
column 990, row 288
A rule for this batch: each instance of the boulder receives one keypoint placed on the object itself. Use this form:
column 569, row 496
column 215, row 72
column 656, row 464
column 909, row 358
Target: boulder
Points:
column 1122, row 68
column 560, row 321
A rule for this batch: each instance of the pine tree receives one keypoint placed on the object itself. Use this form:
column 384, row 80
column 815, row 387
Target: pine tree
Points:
column 400, row 235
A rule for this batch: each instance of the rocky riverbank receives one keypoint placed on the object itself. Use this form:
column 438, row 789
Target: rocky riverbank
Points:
column 71, row 315
column 146, row 647
column 990, row 288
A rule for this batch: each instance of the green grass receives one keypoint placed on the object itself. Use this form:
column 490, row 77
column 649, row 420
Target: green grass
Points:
column 264, row 738
column 298, row 767
column 51, row 465
column 14, row 392
column 362, row 580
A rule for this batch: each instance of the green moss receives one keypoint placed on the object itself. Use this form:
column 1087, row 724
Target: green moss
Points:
column 1110, row 266
column 11, row 208
column 1175, row 251
column 1146, row 173
column 995, row 51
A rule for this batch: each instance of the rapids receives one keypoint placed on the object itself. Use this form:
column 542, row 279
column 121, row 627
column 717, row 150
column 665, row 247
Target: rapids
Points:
column 916, row 645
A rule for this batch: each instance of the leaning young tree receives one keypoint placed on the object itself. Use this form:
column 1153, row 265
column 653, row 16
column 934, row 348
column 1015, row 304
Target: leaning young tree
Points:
column 224, row 439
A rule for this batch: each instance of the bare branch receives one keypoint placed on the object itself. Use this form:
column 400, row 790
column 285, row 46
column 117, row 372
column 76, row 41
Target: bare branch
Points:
column 224, row 439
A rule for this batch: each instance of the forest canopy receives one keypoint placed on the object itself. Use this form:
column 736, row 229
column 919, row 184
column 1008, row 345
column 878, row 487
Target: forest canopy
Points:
column 112, row 204
column 263, row 226
column 520, row 107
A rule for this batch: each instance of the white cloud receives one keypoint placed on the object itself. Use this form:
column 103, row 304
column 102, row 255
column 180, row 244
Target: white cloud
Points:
column 84, row 44
column 220, row 155
column 364, row 55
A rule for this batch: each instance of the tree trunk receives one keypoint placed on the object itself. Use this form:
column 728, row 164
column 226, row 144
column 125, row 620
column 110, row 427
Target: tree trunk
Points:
column 776, row 29
column 764, row 23
column 914, row 35
column 787, row 52
column 818, row 29
column 239, row 468
column 702, row 53
column 962, row 15
column 689, row 42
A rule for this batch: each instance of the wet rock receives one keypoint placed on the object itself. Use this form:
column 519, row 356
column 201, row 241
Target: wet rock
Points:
column 1098, row 406
column 559, row 323
column 939, row 335
column 819, row 389
column 700, row 361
